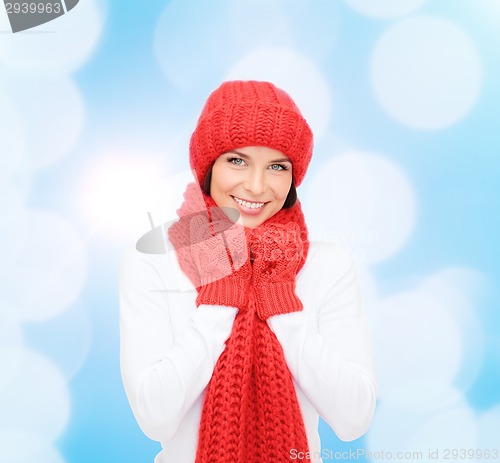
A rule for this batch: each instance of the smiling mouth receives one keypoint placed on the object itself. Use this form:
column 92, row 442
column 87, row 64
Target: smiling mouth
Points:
column 248, row 204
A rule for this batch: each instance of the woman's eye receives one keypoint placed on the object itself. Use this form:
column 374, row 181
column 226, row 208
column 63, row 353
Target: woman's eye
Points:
column 236, row 161
column 278, row 167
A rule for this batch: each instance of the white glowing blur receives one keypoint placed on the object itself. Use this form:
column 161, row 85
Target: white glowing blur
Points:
column 52, row 112
column 64, row 44
column 117, row 193
column 14, row 226
column 365, row 202
column 13, row 447
column 429, row 339
column 11, row 343
column 488, row 424
column 36, row 398
column 311, row 26
column 416, row 340
column 460, row 288
column 392, row 428
column 385, row 8
column 212, row 35
column 426, row 72
column 185, row 35
column 416, row 433
column 71, row 329
column 49, row 271
column 12, row 137
column 454, row 427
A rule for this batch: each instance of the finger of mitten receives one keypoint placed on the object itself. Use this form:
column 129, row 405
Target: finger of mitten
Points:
column 282, row 242
column 275, row 299
column 211, row 259
column 235, row 239
column 234, row 236
column 277, row 258
column 275, row 270
column 272, row 241
column 199, row 228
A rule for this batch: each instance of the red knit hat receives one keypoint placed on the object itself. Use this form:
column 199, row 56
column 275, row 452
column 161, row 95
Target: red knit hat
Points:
column 250, row 113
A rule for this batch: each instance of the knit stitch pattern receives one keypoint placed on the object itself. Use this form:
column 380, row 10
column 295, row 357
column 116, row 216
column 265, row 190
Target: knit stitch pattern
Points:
column 250, row 411
column 250, row 113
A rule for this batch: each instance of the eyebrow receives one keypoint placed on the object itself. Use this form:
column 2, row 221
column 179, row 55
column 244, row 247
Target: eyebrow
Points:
column 246, row 156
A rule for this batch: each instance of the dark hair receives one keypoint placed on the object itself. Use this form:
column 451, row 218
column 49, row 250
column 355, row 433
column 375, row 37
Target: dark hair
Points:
column 289, row 201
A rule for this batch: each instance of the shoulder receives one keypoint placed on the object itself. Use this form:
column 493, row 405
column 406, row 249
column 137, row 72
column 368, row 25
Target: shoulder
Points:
column 327, row 284
column 161, row 269
column 327, row 264
column 330, row 257
column 137, row 268
column 328, row 267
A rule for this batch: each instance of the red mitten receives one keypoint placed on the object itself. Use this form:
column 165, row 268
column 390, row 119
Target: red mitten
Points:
column 277, row 252
column 222, row 259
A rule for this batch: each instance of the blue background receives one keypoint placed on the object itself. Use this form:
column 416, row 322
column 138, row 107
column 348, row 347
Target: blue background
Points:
column 139, row 74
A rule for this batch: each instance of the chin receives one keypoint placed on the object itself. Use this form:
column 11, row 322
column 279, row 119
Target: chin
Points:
column 252, row 223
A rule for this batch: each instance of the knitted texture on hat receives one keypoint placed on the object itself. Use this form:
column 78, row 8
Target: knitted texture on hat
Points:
column 250, row 113
column 250, row 410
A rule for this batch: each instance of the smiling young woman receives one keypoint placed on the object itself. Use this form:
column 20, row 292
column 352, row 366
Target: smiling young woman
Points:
column 272, row 335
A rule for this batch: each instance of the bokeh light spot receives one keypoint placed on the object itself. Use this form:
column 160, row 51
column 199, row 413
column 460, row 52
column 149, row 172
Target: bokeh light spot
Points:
column 385, row 8
column 53, row 114
column 36, row 398
column 63, row 44
column 50, row 271
column 365, row 202
column 426, row 72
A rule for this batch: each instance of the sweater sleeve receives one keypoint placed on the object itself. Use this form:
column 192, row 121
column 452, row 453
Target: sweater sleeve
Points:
column 164, row 370
column 331, row 359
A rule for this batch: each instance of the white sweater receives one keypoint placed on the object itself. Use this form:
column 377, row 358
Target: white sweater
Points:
column 169, row 349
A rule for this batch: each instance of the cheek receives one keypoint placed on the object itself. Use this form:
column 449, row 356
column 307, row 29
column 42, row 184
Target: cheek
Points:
column 219, row 179
column 224, row 185
column 282, row 187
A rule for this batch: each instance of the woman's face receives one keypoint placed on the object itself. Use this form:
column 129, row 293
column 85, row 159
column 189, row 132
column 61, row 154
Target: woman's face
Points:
column 255, row 180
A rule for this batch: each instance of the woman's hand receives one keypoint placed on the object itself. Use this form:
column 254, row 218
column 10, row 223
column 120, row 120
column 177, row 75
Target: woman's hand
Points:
column 277, row 252
column 220, row 253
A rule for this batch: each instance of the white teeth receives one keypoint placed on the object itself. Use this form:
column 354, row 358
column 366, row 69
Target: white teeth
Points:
column 247, row 204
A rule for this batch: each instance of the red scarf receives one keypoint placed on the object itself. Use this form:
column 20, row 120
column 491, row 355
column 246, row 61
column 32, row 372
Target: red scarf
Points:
column 250, row 413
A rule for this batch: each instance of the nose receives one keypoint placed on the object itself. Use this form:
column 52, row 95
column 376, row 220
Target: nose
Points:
column 255, row 182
